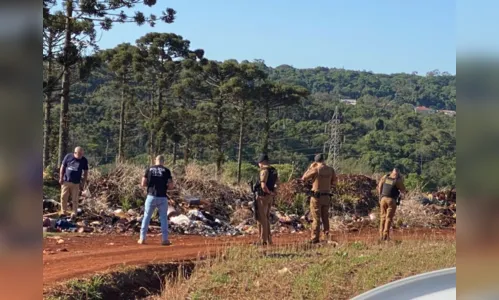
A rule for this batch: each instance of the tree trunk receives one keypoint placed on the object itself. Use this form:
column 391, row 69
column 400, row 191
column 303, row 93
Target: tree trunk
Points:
column 186, row 152
column 151, row 145
column 121, row 155
column 175, row 146
column 151, row 131
column 64, row 117
column 220, row 154
column 162, row 137
column 240, row 150
column 47, row 122
column 266, row 133
column 107, row 151
column 47, row 131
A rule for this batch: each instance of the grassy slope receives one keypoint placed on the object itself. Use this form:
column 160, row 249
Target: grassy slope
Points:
column 323, row 273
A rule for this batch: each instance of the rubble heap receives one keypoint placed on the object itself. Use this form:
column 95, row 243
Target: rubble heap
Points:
column 113, row 203
column 445, row 215
column 198, row 206
column 416, row 212
column 354, row 194
column 219, row 199
column 123, row 181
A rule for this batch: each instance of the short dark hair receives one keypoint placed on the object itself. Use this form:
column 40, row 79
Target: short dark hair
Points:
column 263, row 157
column 319, row 157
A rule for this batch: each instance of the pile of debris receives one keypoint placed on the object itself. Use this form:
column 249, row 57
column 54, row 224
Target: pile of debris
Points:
column 113, row 203
column 354, row 194
column 122, row 182
column 219, row 199
column 217, row 209
column 349, row 223
column 194, row 222
column 445, row 215
column 288, row 190
column 419, row 211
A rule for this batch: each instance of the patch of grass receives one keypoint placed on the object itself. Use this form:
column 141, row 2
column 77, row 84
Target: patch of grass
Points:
column 125, row 283
column 87, row 289
column 81, row 289
column 320, row 273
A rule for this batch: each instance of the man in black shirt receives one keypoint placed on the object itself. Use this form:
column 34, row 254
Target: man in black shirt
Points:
column 157, row 179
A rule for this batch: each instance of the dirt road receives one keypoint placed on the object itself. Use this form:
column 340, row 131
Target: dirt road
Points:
column 77, row 256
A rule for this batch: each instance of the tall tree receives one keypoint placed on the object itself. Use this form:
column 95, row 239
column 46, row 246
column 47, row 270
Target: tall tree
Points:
column 127, row 62
column 105, row 13
column 273, row 95
column 166, row 53
column 53, row 32
column 241, row 89
column 207, row 83
column 56, row 55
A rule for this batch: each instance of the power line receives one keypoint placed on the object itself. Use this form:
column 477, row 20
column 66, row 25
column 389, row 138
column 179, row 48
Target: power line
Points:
column 334, row 143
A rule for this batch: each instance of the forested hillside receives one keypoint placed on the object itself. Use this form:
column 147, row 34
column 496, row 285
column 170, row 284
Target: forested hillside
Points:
column 158, row 95
column 380, row 132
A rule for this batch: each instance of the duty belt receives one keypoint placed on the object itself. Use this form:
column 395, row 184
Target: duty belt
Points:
column 319, row 194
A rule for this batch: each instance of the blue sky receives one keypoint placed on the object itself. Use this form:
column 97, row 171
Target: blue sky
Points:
column 383, row 36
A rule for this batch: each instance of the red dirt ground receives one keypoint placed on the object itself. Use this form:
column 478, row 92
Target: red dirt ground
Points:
column 80, row 256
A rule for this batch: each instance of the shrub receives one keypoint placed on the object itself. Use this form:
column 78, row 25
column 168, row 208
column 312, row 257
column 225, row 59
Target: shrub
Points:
column 248, row 172
column 286, row 171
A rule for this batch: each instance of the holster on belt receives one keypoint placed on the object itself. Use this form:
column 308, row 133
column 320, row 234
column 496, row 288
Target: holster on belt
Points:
column 319, row 194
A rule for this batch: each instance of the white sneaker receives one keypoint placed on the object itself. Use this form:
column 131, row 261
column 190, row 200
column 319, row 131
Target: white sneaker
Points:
column 141, row 242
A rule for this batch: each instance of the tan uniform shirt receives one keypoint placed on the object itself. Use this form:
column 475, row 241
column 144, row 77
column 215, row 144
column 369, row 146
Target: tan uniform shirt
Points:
column 323, row 177
column 264, row 175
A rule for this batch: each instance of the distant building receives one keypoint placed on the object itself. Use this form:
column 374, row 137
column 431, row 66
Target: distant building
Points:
column 448, row 112
column 349, row 101
column 424, row 110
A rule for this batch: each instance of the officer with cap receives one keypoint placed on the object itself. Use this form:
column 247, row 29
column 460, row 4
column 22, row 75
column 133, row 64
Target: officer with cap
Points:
column 389, row 189
column 267, row 191
column 323, row 178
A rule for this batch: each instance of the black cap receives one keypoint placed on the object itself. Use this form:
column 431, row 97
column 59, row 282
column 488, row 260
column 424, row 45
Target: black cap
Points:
column 263, row 157
column 319, row 158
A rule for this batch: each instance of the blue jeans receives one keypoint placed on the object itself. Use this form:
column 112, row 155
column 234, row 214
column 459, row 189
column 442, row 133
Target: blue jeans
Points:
column 151, row 203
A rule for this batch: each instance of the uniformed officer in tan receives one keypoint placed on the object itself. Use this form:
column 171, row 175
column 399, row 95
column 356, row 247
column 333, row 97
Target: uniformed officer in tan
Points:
column 268, row 183
column 389, row 188
column 323, row 177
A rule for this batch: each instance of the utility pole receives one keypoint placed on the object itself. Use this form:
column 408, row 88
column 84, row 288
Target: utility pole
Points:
column 334, row 142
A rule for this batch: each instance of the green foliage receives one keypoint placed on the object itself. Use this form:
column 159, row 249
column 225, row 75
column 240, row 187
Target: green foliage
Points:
column 87, row 289
column 206, row 111
column 126, row 203
column 414, row 181
column 285, row 171
column 51, row 192
column 141, row 159
column 248, row 172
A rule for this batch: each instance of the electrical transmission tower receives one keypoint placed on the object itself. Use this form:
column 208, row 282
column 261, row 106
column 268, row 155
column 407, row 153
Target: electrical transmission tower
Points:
column 334, row 141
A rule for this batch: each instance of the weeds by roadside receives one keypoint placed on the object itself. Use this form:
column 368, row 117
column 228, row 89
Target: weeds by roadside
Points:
column 322, row 273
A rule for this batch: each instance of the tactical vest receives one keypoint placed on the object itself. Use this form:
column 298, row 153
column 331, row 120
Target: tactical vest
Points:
column 389, row 188
column 271, row 179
